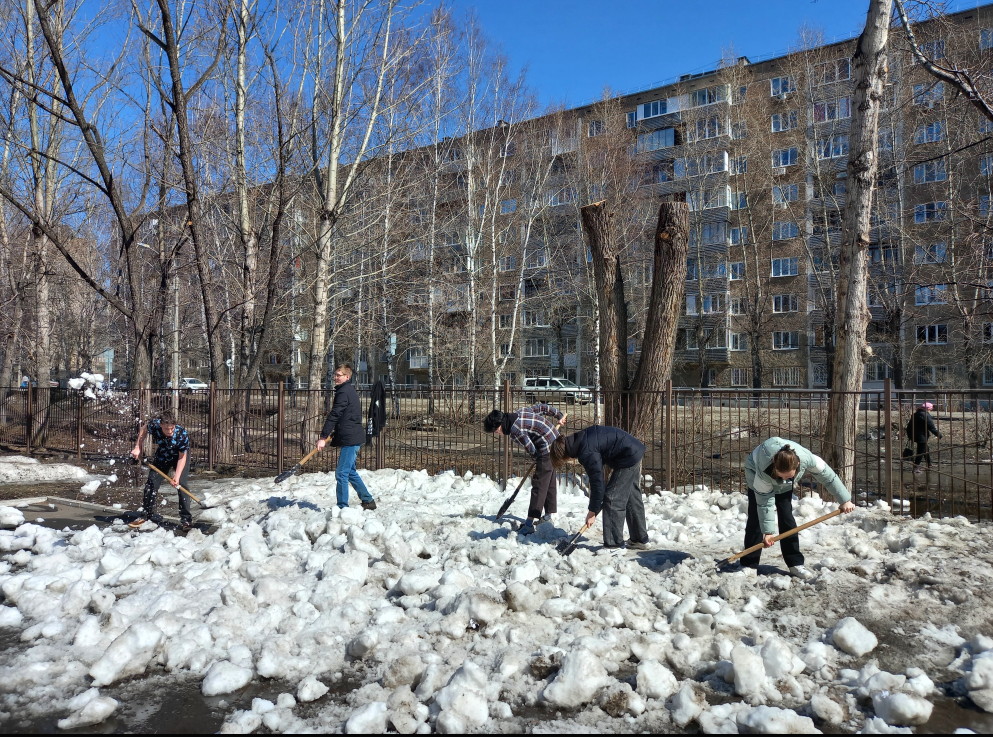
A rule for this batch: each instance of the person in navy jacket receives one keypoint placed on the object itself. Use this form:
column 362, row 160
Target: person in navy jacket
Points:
column 620, row 498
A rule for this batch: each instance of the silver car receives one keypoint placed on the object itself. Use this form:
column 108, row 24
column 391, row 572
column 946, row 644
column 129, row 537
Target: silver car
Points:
column 550, row 389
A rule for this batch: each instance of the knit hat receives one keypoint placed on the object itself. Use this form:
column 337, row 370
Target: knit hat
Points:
column 928, row 406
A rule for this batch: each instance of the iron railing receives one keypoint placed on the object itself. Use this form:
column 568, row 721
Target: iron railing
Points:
column 692, row 436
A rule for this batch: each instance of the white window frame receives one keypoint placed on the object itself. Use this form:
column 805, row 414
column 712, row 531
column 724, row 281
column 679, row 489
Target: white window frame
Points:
column 736, row 270
column 832, row 148
column 928, row 94
column 930, row 132
column 936, row 334
column 938, row 375
column 840, row 108
column 509, row 206
column 784, row 230
column 783, row 157
column 988, row 375
column 418, row 358
column 739, row 342
column 739, row 235
column 785, row 340
column 933, row 294
column 930, row 171
column 739, row 377
column 783, row 303
column 783, row 193
column 787, row 376
column 835, row 67
column 508, row 263
column 934, row 253
column 930, row 212
column 785, row 121
column 536, row 348
column 781, row 86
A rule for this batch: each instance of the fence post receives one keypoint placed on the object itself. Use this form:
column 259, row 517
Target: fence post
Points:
column 79, row 425
column 280, row 427
column 888, row 421
column 210, row 426
column 28, row 418
column 506, row 440
column 668, row 435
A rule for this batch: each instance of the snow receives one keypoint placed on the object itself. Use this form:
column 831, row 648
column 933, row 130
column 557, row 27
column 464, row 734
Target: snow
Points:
column 853, row 637
column 23, row 470
column 88, row 708
column 447, row 621
column 11, row 517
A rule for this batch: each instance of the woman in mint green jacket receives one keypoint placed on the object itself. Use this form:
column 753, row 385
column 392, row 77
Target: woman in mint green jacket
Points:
column 771, row 472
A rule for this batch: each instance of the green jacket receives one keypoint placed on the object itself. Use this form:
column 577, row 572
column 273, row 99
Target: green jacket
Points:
column 766, row 487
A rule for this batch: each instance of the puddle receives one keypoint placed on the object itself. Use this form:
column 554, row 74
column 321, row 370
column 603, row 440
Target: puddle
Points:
column 951, row 714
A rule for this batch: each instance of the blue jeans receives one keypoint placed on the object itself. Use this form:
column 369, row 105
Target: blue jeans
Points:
column 345, row 472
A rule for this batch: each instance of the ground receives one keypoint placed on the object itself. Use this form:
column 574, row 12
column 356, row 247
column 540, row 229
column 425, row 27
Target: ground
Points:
column 429, row 615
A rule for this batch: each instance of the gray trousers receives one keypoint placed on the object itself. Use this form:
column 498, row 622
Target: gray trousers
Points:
column 622, row 502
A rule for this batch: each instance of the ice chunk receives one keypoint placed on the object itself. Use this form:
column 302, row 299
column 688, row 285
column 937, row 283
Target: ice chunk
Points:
column 580, row 677
column 901, row 709
column 419, row 580
column 11, row 517
column 980, row 643
column 225, row 677
column 770, row 720
column 243, row 721
column 90, row 709
column 403, row 671
column 777, row 658
column 852, row 637
column 619, row 699
column 90, row 488
column 465, row 696
column 364, row 643
column 827, row 709
column 485, row 607
column 687, row 704
column 310, row 689
column 981, row 675
column 878, row 726
column 749, row 671
column 527, row 572
column 519, row 597
column 655, row 681
column 10, row 616
column 128, row 654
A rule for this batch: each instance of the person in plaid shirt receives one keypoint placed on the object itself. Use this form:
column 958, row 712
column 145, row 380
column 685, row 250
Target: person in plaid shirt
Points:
column 531, row 429
column 172, row 454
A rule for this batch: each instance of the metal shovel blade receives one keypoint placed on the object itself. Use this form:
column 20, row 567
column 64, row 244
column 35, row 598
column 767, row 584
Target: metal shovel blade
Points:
column 570, row 546
column 286, row 474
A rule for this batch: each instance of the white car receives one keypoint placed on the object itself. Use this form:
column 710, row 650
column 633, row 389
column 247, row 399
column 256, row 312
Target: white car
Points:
column 189, row 385
column 550, row 389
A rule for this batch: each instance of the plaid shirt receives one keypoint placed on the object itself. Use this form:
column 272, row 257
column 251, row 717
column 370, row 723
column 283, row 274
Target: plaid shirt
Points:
column 533, row 431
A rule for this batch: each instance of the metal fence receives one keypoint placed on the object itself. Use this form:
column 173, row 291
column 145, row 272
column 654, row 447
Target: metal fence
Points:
column 693, row 436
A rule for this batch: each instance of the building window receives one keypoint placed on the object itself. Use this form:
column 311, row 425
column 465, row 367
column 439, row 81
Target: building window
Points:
column 739, row 377
column 709, row 127
column 535, row 347
column 785, row 340
column 508, row 206
column 564, row 196
column 885, row 141
column 789, row 376
column 984, row 206
column 833, row 147
column 739, row 235
column 932, row 335
column 877, row 371
column 654, row 140
column 781, row 194
column 506, row 349
column 417, row 357
column 594, row 128
column 418, row 252
column 988, row 332
column 506, row 321
column 930, row 133
column 930, row 212
column 838, row 109
column 507, row 292
column 932, row 171
column 691, row 270
column 934, row 294
column 739, row 341
column 631, row 119
column 785, row 303
column 568, row 346
column 738, row 165
column 785, row 157
column 936, row 253
column 691, row 341
column 785, row 121
column 695, row 166
column 929, row 94
column 827, row 221
column 781, row 86
column 712, row 303
column 534, row 319
column 820, row 374
column 832, row 71
column 985, row 166
column 708, row 199
column 739, row 201
column 933, row 50
column 739, row 130
column 739, row 306
column 783, row 230
column 508, row 149
column 931, row 375
column 708, row 96
column 785, row 266
column 736, row 270
column 987, row 375
column 653, row 109
column 508, row 263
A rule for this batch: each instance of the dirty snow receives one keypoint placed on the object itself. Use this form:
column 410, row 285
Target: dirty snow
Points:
column 450, row 622
column 23, row 470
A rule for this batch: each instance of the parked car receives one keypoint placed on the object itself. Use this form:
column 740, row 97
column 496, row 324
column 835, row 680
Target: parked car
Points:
column 550, row 389
column 190, row 385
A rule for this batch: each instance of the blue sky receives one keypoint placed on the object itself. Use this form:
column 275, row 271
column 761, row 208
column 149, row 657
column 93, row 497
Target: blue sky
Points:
column 574, row 47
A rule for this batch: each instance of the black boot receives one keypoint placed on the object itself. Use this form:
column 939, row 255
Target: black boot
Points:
column 369, row 505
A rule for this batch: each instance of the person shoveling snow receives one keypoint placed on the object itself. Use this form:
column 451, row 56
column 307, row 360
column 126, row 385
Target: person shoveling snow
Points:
column 771, row 471
column 172, row 455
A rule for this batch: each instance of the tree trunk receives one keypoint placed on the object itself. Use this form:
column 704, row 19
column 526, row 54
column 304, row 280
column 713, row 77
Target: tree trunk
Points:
column 658, row 346
column 851, row 350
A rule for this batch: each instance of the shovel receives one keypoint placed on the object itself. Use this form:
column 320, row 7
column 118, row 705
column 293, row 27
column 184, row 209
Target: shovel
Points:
column 180, row 486
column 286, row 474
column 568, row 547
column 726, row 561
column 506, row 504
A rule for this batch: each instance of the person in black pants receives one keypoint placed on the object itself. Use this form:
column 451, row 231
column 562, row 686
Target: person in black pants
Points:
column 620, row 499
column 919, row 429
column 171, row 456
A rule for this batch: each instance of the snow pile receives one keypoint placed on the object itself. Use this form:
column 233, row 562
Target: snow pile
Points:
column 23, row 470
column 449, row 622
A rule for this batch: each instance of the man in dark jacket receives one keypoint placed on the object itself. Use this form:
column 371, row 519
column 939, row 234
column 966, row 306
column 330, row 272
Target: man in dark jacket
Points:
column 920, row 427
column 620, row 499
column 344, row 427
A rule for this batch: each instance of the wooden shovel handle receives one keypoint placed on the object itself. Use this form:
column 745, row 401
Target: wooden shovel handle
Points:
column 179, row 486
column 794, row 531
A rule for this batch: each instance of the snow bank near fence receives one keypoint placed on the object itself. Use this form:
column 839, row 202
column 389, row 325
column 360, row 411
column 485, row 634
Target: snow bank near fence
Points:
column 23, row 470
column 451, row 623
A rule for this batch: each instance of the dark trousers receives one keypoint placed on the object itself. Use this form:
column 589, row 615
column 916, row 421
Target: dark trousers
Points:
column 790, row 546
column 622, row 503
column 922, row 452
column 544, row 489
column 152, row 492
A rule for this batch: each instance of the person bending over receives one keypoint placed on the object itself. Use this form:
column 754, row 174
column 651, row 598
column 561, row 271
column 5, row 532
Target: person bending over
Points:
column 620, row 499
column 170, row 457
column 531, row 429
column 344, row 427
column 771, row 471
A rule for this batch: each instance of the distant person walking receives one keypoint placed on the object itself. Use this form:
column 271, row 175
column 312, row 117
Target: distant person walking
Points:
column 345, row 429
column 920, row 427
